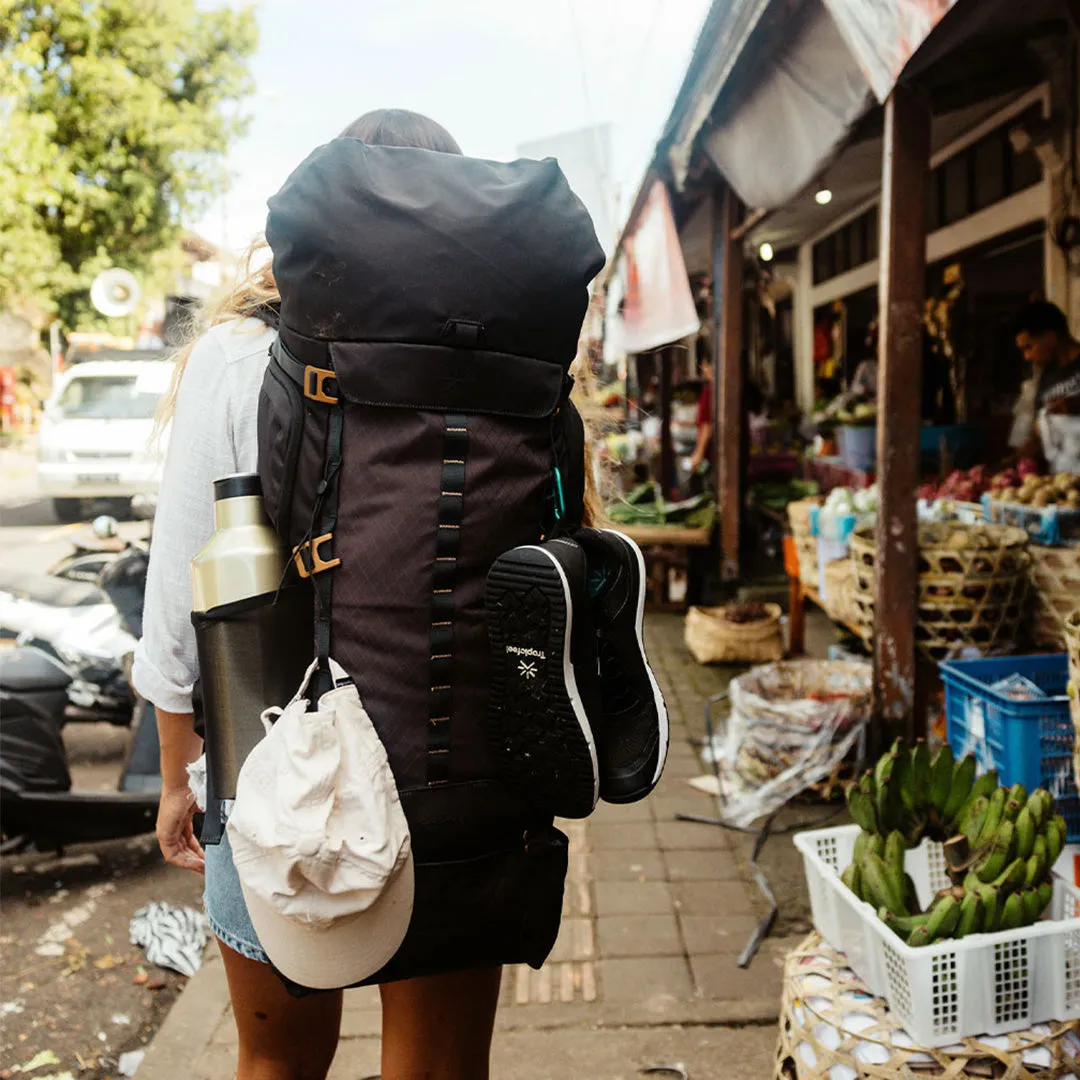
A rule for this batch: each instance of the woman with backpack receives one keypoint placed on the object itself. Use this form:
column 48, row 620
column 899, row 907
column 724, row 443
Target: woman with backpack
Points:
column 373, row 237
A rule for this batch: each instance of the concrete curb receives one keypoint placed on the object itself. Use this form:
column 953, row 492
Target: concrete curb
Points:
column 191, row 1022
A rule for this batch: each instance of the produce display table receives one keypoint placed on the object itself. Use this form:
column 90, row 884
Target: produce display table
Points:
column 798, row 594
column 833, row 1028
column 666, row 550
column 668, row 535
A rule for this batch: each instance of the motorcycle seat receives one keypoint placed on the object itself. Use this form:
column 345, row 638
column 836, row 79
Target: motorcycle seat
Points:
column 51, row 591
column 29, row 670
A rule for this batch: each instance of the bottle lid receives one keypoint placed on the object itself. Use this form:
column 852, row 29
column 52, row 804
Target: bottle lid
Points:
column 237, row 486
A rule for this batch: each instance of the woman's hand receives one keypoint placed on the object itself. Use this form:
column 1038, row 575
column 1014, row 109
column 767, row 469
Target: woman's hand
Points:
column 175, row 834
column 180, row 745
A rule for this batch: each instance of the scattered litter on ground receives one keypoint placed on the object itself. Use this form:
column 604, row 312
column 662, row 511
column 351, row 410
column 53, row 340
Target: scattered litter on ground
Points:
column 38, row 1061
column 51, row 943
column 677, row 1069
column 12, row 1008
column 130, row 1062
column 708, row 784
column 172, row 937
column 140, row 977
column 108, row 961
column 121, row 1019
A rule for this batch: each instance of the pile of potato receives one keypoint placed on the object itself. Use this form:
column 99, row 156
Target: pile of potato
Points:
column 1040, row 491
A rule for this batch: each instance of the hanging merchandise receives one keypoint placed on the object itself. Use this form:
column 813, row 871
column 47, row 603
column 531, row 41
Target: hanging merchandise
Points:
column 659, row 307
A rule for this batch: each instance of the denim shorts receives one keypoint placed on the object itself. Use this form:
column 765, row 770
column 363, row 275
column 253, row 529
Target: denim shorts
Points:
column 226, row 911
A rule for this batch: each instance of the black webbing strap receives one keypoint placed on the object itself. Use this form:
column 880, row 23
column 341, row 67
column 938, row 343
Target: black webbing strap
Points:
column 447, row 546
column 328, row 499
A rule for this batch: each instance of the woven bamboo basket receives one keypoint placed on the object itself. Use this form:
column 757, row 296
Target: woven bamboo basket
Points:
column 1055, row 587
column 832, row 1028
column 840, row 590
column 970, row 595
column 711, row 639
column 805, row 543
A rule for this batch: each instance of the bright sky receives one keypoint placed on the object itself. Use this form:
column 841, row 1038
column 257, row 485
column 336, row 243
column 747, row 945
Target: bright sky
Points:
column 496, row 73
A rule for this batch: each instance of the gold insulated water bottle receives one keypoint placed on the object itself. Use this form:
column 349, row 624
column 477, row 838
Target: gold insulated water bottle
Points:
column 244, row 557
column 255, row 639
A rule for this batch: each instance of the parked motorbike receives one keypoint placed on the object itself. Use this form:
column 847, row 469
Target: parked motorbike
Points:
column 38, row 807
column 95, row 547
column 89, row 629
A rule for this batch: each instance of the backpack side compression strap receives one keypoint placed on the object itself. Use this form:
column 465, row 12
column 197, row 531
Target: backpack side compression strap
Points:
column 447, row 547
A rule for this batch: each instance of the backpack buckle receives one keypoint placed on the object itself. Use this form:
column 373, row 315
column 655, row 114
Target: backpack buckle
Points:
column 315, row 380
column 313, row 563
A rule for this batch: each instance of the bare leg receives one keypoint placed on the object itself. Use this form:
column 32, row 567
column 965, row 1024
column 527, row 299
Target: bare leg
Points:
column 439, row 1027
column 281, row 1037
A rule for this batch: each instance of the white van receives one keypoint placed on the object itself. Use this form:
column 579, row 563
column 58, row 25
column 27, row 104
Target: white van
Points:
column 94, row 439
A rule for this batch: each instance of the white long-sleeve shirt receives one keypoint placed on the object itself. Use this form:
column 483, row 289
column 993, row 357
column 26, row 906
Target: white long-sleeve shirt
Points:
column 214, row 434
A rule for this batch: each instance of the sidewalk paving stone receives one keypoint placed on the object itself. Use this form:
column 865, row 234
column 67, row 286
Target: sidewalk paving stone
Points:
column 701, row 865
column 712, row 898
column 628, row 865
column 645, row 980
column 634, row 836
column 638, row 935
column 706, row 935
column 632, row 898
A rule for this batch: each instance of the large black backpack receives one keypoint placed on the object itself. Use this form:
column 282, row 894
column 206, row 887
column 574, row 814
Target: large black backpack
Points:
column 414, row 424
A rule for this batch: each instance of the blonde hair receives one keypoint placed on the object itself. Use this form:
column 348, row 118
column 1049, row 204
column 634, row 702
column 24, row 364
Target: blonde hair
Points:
column 253, row 296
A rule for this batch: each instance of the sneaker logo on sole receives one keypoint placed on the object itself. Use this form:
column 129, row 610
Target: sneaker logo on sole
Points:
column 517, row 650
column 527, row 669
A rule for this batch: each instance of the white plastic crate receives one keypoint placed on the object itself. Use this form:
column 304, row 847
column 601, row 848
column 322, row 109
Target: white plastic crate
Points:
column 984, row 984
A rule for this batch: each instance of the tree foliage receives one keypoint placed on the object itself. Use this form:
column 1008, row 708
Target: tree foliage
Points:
column 115, row 116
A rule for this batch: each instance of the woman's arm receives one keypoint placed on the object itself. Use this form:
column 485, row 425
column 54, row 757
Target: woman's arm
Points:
column 200, row 451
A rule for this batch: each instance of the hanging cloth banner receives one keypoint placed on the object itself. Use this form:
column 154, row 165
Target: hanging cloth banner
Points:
column 884, row 35
column 659, row 307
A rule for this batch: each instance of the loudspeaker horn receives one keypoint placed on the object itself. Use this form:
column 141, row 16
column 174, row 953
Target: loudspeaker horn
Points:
column 115, row 292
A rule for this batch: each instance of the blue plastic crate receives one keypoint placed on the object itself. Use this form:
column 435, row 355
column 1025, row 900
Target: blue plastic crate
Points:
column 1028, row 742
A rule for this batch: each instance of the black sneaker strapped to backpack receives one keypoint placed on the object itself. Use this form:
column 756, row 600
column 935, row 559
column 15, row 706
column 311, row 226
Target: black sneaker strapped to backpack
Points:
column 414, row 425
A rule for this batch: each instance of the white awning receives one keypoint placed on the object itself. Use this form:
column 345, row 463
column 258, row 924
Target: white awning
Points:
column 840, row 57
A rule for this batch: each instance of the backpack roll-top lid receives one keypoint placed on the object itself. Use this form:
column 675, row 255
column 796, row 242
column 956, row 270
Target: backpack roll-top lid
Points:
column 392, row 244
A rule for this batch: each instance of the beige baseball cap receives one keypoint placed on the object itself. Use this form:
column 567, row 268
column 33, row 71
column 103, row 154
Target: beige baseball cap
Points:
column 320, row 841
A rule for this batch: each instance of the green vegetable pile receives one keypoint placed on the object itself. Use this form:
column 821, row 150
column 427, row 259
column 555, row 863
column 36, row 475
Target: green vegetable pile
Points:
column 646, row 506
column 1000, row 845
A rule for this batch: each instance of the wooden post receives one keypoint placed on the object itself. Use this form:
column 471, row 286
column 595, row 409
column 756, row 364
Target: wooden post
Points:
column 902, row 296
column 728, row 385
column 665, row 359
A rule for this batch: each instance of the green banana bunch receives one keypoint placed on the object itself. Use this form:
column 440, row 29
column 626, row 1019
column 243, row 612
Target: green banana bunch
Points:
column 1013, row 840
column 1056, row 831
column 861, row 806
column 994, row 815
column 881, row 885
column 1041, row 803
column 944, row 917
column 1012, row 914
column 941, row 778
column 1001, row 843
column 973, row 818
column 852, row 878
column 983, row 787
column 960, row 789
column 1025, row 832
column 921, row 776
column 902, row 925
column 971, row 915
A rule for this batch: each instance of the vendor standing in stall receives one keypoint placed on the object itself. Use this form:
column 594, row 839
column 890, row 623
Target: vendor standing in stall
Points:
column 1047, row 425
